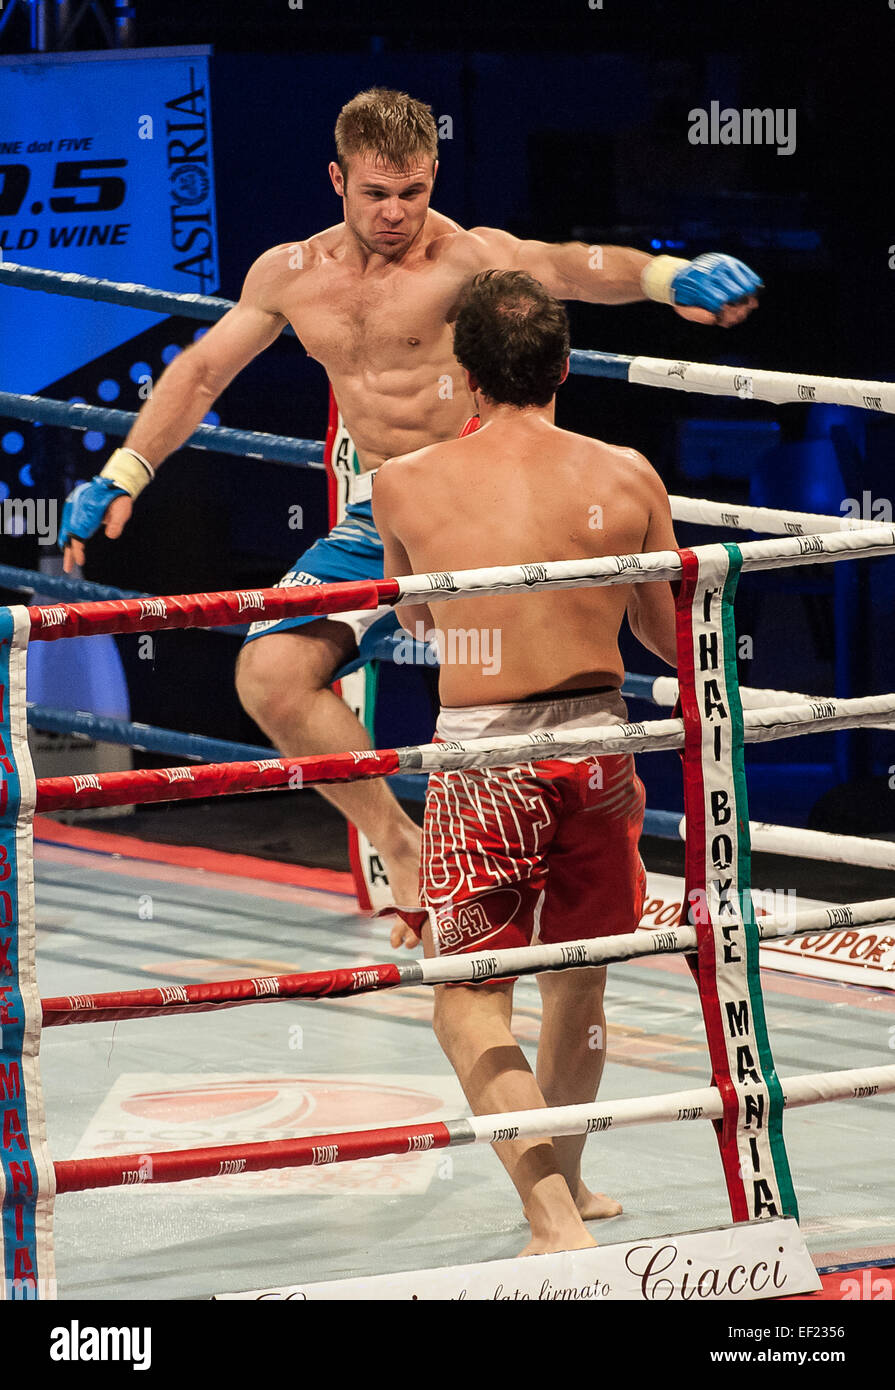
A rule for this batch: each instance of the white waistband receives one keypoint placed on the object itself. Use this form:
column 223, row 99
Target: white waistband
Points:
column 360, row 486
column 567, row 711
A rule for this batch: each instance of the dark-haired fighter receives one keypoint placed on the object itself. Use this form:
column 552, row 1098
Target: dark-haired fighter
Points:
column 371, row 299
column 547, row 850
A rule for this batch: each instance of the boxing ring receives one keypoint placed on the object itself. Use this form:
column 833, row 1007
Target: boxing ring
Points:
column 744, row 1106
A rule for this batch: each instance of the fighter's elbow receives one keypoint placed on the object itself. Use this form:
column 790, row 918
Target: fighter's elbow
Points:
column 193, row 371
column 664, row 646
column 658, row 638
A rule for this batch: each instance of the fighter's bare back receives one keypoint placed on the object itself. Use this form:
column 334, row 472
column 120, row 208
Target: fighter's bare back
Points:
column 522, row 490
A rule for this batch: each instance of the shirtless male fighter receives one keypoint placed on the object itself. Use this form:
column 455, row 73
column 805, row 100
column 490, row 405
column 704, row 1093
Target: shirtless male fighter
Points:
column 371, row 299
column 547, row 849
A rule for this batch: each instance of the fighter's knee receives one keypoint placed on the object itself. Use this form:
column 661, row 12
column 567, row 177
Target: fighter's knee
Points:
column 270, row 687
column 250, row 677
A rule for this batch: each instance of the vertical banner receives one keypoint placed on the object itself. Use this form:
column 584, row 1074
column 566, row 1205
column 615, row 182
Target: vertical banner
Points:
column 27, row 1182
column 718, row 899
column 105, row 169
column 359, row 688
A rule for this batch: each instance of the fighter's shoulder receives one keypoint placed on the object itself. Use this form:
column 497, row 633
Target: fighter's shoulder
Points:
column 632, row 469
column 275, row 268
column 401, row 469
column 472, row 249
column 400, row 476
column 629, row 461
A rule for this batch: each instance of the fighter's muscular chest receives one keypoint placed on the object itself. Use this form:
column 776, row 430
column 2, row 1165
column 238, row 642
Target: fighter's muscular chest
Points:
column 354, row 323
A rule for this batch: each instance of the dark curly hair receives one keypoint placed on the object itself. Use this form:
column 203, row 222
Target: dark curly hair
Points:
column 513, row 337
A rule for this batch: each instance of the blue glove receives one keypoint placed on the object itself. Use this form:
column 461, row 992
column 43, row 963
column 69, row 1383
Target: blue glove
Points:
column 85, row 508
column 713, row 281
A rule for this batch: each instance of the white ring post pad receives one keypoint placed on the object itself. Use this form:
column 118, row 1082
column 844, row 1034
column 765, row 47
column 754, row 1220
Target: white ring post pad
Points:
column 718, row 894
column 358, row 689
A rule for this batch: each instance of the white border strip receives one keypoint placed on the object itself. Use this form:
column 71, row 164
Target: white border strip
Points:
column 41, row 1175
column 729, row 1264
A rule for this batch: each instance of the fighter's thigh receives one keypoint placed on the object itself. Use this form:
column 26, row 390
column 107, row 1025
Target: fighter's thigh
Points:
column 466, row 1014
column 302, row 659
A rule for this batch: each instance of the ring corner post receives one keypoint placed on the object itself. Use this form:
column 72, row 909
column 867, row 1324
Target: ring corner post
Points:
column 27, row 1179
column 718, row 891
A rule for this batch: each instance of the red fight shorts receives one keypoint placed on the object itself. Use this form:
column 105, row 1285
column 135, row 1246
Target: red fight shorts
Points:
column 544, row 851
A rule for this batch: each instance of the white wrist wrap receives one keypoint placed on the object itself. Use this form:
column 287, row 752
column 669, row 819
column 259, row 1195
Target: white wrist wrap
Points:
column 129, row 470
column 657, row 275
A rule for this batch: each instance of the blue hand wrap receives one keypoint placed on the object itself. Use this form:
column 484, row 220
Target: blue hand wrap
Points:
column 712, row 281
column 85, row 508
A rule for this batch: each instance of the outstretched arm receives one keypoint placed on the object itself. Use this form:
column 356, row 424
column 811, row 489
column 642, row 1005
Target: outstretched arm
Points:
column 186, row 391
column 180, row 400
column 712, row 289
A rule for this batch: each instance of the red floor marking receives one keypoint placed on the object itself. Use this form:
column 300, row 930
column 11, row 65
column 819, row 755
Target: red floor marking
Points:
column 871, row 1283
column 141, row 870
column 189, row 856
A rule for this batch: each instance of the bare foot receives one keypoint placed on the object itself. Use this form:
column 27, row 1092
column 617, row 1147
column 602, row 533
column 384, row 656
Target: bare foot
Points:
column 596, row 1206
column 539, row 1245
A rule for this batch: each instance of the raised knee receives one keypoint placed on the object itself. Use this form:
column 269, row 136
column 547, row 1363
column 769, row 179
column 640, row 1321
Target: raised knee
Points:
column 270, row 688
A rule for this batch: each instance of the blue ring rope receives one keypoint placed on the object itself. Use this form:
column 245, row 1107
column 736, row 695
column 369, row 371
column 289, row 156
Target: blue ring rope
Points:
column 211, row 308
column 274, row 448
column 59, row 586
column 144, row 737
column 186, row 306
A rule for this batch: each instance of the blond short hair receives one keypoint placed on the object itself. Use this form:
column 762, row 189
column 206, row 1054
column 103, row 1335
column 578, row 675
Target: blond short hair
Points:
column 389, row 125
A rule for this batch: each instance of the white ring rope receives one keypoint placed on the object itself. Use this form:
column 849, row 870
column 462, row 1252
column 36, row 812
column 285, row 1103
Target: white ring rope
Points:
column 780, row 388
column 645, row 941
column 776, row 553
column 759, row 726
column 820, row 844
column 703, row 1104
column 666, row 690
column 770, row 519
